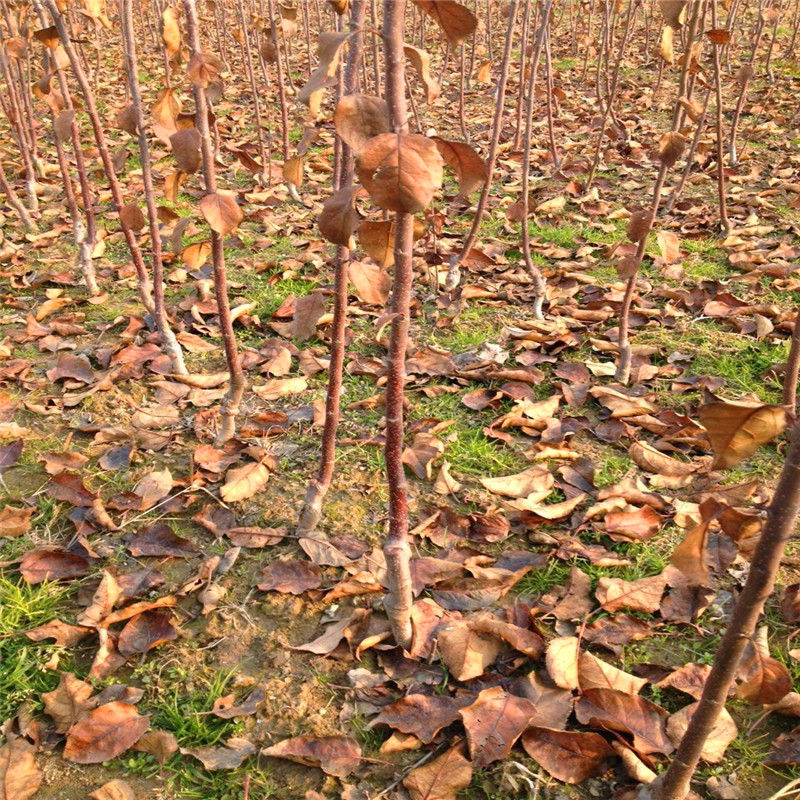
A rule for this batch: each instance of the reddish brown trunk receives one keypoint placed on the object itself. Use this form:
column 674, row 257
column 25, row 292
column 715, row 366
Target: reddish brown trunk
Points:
column 675, row 783
column 397, row 547
column 233, row 399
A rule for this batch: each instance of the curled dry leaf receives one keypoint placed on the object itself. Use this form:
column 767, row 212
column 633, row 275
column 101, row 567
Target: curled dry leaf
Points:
column 738, row 428
column 228, row 756
column 244, row 482
column 401, row 172
column 339, row 218
column 568, row 756
column 335, row 755
column 456, row 21
column 104, row 733
column 359, row 118
column 221, row 211
column 722, row 734
column 493, row 723
column 467, row 652
column 113, row 790
column 20, row 778
column 562, row 661
column 441, row 779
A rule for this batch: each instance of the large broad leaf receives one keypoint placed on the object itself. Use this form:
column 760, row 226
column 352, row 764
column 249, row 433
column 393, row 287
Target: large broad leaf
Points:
column 328, row 49
column 714, row 747
column 335, row 755
column 421, row 715
column 421, row 62
column 19, row 776
column 113, row 790
column 467, row 652
column 469, row 167
column 456, row 21
column 493, row 723
column 617, row 711
column 674, row 12
column 221, row 211
column 170, row 31
column 401, row 172
column 441, row 779
column 244, row 482
column 185, row 145
column 105, row 733
column 339, row 218
column 765, row 679
column 359, row 118
column 738, row 429
column 204, row 69
column 562, row 661
column 569, row 756
column 68, row 702
column 228, row 756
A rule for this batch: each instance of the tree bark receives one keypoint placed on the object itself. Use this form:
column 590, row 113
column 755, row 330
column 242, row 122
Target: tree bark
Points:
column 675, row 783
column 233, row 399
column 170, row 344
column 397, row 547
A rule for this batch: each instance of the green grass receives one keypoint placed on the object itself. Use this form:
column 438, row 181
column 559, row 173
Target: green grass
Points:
column 23, row 675
column 176, row 700
column 719, row 352
column 180, row 696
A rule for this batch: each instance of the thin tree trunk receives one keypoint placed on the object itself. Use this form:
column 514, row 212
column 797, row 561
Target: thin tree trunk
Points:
column 143, row 280
column 233, row 399
column 14, row 201
column 723, row 207
column 533, row 270
column 397, row 547
column 311, row 510
column 497, row 127
column 675, row 783
column 170, row 344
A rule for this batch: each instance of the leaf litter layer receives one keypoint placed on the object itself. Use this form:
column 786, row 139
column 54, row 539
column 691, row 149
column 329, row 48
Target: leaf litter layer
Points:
column 576, row 549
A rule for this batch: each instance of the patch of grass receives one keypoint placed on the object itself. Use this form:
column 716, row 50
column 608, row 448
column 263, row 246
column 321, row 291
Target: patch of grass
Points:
column 180, row 699
column 612, row 466
column 472, row 453
column 722, row 353
column 541, row 581
column 474, row 327
column 23, row 674
column 269, row 296
column 371, row 738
